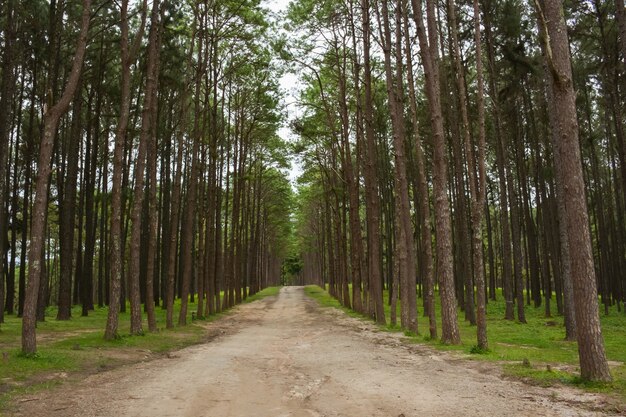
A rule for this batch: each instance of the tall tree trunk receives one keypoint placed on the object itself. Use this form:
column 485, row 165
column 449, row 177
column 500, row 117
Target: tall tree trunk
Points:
column 478, row 189
column 10, row 277
column 6, row 97
column 372, row 206
column 531, row 227
column 352, row 184
column 501, row 161
column 516, row 236
column 423, row 200
column 404, row 251
column 491, row 251
column 565, row 274
column 91, row 212
column 187, row 234
column 117, row 250
column 52, row 115
column 67, row 206
column 465, row 240
column 140, row 168
column 153, row 219
column 103, row 267
column 26, row 213
column 593, row 363
column 358, row 281
column 443, row 228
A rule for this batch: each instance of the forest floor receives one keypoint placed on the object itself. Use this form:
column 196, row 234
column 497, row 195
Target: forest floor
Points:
column 287, row 356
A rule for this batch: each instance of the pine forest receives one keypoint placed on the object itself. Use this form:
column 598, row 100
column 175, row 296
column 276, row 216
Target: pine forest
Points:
column 190, row 172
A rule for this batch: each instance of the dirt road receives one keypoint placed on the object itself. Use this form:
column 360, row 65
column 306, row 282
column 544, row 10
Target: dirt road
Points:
column 284, row 356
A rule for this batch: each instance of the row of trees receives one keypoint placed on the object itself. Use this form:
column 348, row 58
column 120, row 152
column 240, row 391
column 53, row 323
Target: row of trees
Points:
column 465, row 146
column 139, row 158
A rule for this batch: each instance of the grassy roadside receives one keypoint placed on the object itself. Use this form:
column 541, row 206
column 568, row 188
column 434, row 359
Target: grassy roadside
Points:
column 534, row 352
column 67, row 350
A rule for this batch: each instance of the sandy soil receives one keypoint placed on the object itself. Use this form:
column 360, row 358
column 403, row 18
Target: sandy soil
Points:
column 284, row 356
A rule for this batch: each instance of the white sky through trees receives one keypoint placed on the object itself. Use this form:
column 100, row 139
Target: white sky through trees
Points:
column 290, row 85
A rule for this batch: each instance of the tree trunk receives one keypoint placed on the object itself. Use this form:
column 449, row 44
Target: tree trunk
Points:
column 187, row 234
column 443, row 228
column 91, row 212
column 465, row 237
column 404, row 251
column 371, row 193
column 153, row 219
column 140, row 168
column 423, row 200
column 67, row 206
column 478, row 189
column 117, row 250
column 565, row 275
column 51, row 120
column 593, row 363
column 6, row 97
column 507, row 277
column 26, row 204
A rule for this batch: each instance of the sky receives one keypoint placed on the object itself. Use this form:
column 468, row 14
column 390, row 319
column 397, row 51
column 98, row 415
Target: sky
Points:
column 290, row 85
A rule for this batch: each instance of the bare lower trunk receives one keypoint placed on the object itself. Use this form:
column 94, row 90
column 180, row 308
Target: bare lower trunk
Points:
column 516, row 236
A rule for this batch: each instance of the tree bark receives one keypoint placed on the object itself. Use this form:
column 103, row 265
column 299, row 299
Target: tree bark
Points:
column 153, row 219
column 67, row 207
column 479, row 192
column 593, row 363
column 507, row 277
column 51, row 120
column 465, row 236
column 423, row 200
column 443, row 228
column 404, row 251
column 187, row 234
column 565, row 275
column 6, row 96
column 140, row 168
column 371, row 193
column 117, row 251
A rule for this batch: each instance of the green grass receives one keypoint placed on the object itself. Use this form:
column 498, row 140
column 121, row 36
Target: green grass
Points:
column 325, row 300
column 267, row 292
column 540, row 342
column 78, row 345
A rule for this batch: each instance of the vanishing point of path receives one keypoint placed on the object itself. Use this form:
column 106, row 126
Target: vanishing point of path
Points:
column 286, row 357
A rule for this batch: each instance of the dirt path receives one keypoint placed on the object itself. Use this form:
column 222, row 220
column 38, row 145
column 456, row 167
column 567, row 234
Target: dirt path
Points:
column 284, row 356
